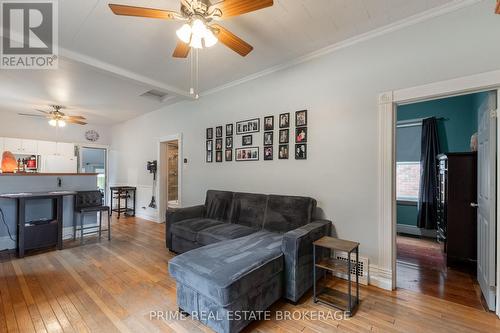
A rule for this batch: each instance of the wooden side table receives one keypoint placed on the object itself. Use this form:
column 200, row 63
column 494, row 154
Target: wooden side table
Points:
column 340, row 300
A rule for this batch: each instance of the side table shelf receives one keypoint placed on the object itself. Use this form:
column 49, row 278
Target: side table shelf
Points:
column 338, row 299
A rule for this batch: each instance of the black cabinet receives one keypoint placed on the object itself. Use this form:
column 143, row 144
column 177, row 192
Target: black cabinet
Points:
column 457, row 216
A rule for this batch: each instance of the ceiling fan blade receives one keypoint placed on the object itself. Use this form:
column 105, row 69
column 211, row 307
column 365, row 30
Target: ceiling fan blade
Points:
column 74, row 121
column 181, row 50
column 232, row 8
column 142, row 12
column 31, row 115
column 42, row 111
column 232, row 41
column 75, row 117
column 498, row 7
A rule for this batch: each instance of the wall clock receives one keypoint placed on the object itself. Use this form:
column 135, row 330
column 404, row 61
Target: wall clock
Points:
column 92, row 135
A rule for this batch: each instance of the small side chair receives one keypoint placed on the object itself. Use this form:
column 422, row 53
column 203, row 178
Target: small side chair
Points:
column 90, row 202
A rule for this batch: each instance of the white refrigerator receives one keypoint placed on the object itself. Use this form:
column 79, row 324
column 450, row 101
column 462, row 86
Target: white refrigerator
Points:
column 59, row 164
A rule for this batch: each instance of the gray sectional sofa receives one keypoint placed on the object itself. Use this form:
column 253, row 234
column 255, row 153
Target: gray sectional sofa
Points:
column 241, row 252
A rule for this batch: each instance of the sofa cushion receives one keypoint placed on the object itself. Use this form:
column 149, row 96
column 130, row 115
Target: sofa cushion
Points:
column 249, row 209
column 223, row 232
column 227, row 270
column 285, row 213
column 218, row 205
column 188, row 229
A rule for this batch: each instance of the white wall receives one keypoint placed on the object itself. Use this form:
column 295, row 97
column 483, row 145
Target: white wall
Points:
column 15, row 126
column 340, row 91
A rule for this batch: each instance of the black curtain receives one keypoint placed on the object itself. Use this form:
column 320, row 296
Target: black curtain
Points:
column 427, row 202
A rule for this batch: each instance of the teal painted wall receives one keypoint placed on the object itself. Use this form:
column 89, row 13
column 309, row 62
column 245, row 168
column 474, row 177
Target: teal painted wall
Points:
column 454, row 132
column 461, row 123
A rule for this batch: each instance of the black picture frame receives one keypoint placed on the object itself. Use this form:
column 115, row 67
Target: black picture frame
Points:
column 284, row 136
column 229, row 155
column 301, row 151
column 301, row 118
column 210, row 145
column 301, row 135
column 246, row 140
column 248, row 126
column 284, row 120
column 254, row 152
column 218, row 132
column 283, row 152
column 268, row 153
column 269, row 123
column 210, row 133
column 209, row 156
column 229, row 130
column 229, row 142
column 218, row 156
column 268, row 138
column 218, row 144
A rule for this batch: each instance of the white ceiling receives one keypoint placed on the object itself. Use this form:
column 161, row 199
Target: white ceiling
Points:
column 110, row 60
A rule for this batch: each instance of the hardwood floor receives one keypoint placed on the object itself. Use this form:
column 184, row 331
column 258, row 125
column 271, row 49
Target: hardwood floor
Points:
column 112, row 287
column 421, row 267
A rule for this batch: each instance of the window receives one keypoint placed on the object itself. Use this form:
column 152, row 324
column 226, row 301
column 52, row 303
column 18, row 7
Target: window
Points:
column 408, row 136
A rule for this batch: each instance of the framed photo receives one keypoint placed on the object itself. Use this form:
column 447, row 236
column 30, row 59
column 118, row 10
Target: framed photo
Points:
column 218, row 156
column 301, row 134
column 284, row 136
column 247, row 154
column 209, row 156
column 229, row 142
column 269, row 123
column 301, row 118
column 210, row 133
column 284, row 120
column 210, row 145
column 218, row 144
column 229, row 130
column 268, row 138
column 248, row 126
column 301, row 151
column 283, row 152
column 218, row 132
column 229, row 155
column 246, row 140
column 268, row 153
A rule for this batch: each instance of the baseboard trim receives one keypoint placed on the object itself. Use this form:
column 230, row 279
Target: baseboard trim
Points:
column 380, row 277
column 413, row 230
column 148, row 217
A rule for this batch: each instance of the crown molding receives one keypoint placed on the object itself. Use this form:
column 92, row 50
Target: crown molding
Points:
column 409, row 21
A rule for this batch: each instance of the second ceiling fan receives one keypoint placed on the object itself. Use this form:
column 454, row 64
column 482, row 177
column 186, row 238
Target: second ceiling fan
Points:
column 199, row 31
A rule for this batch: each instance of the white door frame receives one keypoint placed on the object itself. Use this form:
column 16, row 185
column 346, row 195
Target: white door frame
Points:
column 387, row 103
column 98, row 146
column 161, row 174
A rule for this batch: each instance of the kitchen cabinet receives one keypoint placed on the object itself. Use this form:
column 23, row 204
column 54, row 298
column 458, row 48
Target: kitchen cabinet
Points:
column 47, row 148
column 65, row 149
column 21, row 146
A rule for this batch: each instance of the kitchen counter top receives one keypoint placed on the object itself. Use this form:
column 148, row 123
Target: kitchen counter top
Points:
column 47, row 174
column 23, row 195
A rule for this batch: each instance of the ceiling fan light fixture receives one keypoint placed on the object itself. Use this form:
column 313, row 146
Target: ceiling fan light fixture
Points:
column 53, row 122
column 196, row 42
column 61, row 123
column 209, row 38
column 184, row 33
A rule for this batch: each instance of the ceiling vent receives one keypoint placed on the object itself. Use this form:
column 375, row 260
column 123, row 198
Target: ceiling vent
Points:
column 155, row 94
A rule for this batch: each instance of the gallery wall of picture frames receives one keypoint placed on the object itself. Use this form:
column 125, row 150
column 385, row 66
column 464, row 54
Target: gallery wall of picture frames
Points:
column 221, row 142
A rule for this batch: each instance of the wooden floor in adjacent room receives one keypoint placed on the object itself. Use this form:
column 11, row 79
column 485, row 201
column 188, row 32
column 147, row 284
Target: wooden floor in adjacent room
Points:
column 421, row 267
column 113, row 286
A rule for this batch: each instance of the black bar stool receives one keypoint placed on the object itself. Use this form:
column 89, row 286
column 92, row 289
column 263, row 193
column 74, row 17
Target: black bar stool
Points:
column 90, row 202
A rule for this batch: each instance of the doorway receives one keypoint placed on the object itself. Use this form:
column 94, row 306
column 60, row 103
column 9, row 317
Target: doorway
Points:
column 441, row 167
column 94, row 160
column 170, row 174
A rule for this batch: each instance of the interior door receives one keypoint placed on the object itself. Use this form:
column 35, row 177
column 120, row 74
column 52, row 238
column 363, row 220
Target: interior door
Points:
column 486, row 213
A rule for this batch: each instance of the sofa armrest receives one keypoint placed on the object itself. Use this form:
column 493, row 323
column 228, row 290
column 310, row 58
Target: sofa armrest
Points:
column 176, row 215
column 298, row 252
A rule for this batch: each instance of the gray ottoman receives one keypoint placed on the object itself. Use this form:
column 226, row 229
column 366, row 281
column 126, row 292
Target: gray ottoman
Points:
column 218, row 283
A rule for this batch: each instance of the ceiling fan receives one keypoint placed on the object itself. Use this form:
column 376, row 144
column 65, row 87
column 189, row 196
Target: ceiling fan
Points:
column 56, row 117
column 199, row 31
